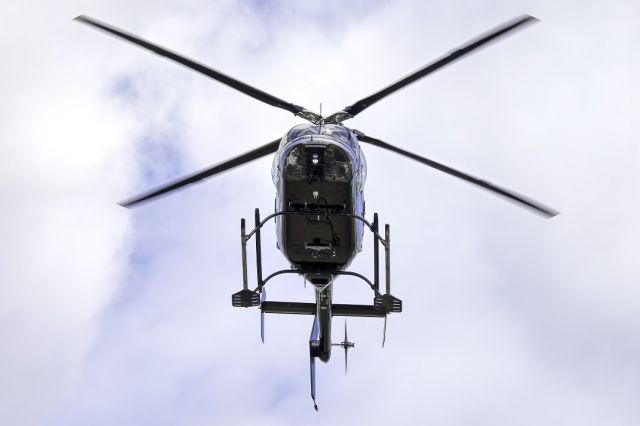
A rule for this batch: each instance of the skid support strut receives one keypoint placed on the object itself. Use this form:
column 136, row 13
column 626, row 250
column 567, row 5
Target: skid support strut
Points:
column 258, row 250
column 245, row 297
column 376, row 253
column 387, row 302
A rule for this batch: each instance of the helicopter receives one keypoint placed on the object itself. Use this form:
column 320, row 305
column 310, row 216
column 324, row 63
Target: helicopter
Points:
column 319, row 172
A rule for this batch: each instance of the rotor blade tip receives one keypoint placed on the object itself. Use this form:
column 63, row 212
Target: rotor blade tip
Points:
column 546, row 211
column 126, row 204
column 552, row 214
column 527, row 20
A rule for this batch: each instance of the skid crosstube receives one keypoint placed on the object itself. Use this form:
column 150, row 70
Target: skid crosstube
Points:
column 383, row 303
column 337, row 309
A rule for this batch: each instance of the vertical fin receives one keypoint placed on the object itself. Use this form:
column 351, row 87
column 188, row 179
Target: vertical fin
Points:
column 313, row 341
column 312, row 369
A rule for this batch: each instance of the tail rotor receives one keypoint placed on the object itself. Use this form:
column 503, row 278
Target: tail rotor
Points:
column 345, row 344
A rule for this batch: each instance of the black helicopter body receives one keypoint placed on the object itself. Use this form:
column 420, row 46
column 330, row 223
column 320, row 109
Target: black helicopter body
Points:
column 319, row 169
column 319, row 172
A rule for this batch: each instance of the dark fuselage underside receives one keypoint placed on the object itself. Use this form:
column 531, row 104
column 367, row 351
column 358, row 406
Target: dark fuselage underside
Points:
column 318, row 185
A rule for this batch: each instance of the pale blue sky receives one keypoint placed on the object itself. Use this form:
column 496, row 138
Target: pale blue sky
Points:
column 112, row 316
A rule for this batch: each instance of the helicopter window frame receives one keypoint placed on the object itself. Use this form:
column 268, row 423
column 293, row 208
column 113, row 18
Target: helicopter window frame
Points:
column 362, row 171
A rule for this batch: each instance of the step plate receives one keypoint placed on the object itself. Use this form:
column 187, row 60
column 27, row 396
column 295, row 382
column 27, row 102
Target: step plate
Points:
column 245, row 299
column 388, row 303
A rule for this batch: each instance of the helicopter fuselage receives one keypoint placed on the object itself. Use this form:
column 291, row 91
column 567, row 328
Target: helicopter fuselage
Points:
column 319, row 172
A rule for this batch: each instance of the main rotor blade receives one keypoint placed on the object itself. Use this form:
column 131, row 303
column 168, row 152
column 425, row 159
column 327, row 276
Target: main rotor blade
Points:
column 201, row 68
column 267, row 149
column 452, row 56
column 513, row 196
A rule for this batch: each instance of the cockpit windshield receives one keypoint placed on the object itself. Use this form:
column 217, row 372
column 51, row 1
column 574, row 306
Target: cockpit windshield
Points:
column 331, row 131
column 330, row 164
column 301, row 130
column 327, row 152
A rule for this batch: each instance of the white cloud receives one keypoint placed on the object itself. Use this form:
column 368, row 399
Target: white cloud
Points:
column 110, row 316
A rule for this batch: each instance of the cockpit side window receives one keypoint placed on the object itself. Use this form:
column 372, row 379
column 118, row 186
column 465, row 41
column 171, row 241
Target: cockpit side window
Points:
column 337, row 165
column 296, row 164
column 362, row 173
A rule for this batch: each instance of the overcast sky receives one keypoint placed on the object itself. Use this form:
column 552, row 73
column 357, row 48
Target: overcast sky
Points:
column 111, row 316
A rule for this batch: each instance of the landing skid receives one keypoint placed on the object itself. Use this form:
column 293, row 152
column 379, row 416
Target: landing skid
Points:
column 324, row 309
